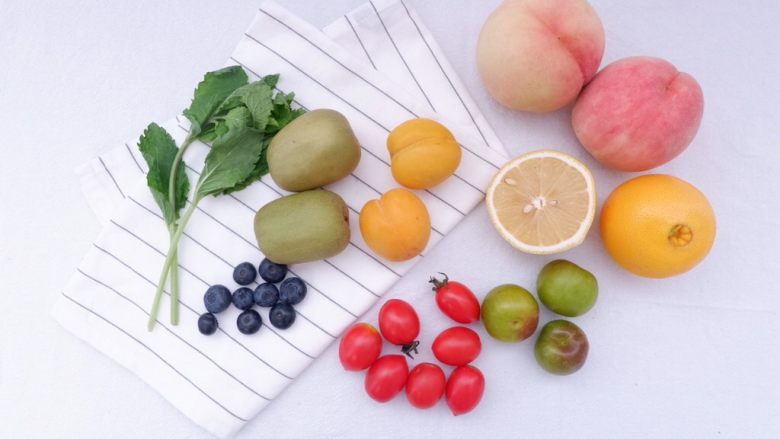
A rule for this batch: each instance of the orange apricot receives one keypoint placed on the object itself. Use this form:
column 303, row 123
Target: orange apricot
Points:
column 423, row 153
column 396, row 226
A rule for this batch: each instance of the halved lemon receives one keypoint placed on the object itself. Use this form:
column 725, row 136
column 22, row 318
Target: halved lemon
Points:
column 543, row 202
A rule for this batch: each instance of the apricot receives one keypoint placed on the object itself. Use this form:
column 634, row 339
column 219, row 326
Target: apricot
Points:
column 396, row 226
column 423, row 153
column 536, row 55
column 638, row 113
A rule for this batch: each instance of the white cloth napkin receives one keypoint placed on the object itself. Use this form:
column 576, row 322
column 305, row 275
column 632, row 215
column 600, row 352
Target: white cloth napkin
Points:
column 395, row 41
column 387, row 35
column 222, row 381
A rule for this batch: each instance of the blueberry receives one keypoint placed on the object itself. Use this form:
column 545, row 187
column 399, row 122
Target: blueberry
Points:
column 217, row 298
column 207, row 324
column 249, row 322
column 282, row 315
column 266, row 295
column 243, row 298
column 244, row 273
column 271, row 272
column 292, row 290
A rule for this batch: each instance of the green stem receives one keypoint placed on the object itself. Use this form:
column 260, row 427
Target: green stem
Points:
column 172, row 251
column 175, row 168
column 157, row 296
column 174, row 271
column 173, row 258
column 182, row 224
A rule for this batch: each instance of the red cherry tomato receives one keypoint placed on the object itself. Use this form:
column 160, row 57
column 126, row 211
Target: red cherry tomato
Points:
column 425, row 385
column 386, row 377
column 456, row 300
column 360, row 347
column 457, row 346
column 464, row 389
column 399, row 322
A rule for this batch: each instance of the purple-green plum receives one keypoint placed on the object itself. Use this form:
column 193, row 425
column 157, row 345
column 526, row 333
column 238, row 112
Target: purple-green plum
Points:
column 561, row 348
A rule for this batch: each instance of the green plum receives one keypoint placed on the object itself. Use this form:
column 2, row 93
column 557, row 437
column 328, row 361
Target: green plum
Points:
column 561, row 348
column 566, row 288
column 510, row 313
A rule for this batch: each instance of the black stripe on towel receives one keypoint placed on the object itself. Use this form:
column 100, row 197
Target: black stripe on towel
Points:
column 433, row 55
column 156, row 355
column 112, row 176
column 408, row 69
column 354, row 31
column 211, row 360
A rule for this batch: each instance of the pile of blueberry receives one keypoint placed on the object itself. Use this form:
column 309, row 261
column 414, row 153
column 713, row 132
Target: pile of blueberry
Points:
column 280, row 299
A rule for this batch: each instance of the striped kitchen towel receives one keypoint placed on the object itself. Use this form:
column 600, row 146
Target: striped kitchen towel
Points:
column 385, row 34
column 222, row 381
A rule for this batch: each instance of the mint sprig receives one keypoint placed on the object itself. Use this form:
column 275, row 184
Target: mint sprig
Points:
column 159, row 150
column 169, row 186
column 240, row 119
column 211, row 93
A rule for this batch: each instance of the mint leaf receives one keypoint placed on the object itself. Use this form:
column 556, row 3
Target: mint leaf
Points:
column 259, row 103
column 284, row 99
column 260, row 169
column 257, row 97
column 212, row 131
column 236, row 99
column 271, row 80
column 252, row 106
column 239, row 95
column 282, row 113
column 232, row 160
column 215, row 87
column 235, row 118
column 159, row 150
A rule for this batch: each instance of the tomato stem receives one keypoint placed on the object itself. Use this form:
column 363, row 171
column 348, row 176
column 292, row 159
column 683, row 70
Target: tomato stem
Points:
column 439, row 283
column 409, row 348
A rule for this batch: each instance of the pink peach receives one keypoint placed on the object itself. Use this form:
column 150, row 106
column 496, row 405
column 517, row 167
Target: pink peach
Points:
column 638, row 113
column 536, row 55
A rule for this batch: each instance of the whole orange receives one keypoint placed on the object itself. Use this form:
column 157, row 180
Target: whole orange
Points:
column 657, row 226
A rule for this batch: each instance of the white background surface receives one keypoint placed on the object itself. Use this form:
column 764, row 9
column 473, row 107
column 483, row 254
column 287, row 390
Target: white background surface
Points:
column 693, row 356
